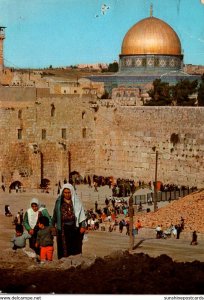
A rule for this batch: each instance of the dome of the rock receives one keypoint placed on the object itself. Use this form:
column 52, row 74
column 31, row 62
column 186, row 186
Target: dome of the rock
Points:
column 150, row 50
column 151, row 36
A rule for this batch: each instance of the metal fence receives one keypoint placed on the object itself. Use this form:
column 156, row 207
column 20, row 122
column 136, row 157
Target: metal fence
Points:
column 174, row 195
column 163, row 196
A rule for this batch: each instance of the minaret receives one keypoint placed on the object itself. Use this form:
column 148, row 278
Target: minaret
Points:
column 2, row 37
column 151, row 10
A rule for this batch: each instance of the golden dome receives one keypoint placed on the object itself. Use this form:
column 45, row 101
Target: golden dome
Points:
column 151, row 36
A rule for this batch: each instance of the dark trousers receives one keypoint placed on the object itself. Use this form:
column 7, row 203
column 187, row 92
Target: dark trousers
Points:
column 32, row 242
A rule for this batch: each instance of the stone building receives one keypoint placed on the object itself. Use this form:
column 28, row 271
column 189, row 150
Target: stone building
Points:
column 194, row 69
column 81, row 86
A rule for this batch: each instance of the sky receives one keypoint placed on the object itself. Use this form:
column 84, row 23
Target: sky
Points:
column 61, row 33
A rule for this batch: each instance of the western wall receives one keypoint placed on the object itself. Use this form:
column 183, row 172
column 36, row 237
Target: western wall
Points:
column 50, row 136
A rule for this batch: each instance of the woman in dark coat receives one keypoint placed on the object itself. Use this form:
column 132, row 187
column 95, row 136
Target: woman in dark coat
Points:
column 69, row 220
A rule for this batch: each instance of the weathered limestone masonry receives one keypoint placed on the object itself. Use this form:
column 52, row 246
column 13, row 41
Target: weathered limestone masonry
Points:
column 128, row 138
column 51, row 136
column 37, row 138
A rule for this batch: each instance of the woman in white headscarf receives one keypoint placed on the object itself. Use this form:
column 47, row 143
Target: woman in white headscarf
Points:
column 30, row 221
column 69, row 219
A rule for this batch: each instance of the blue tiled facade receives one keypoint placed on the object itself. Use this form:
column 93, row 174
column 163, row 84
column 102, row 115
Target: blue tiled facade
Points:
column 149, row 63
column 139, row 80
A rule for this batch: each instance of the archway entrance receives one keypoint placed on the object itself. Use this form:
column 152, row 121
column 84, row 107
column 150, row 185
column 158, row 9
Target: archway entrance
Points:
column 75, row 177
column 44, row 185
column 15, row 185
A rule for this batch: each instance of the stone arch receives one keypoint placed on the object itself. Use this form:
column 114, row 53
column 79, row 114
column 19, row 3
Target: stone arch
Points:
column 44, row 183
column 74, row 173
column 14, row 184
column 75, row 177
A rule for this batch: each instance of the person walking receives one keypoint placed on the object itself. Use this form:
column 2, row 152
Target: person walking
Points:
column 96, row 206
column 70, row 221
column 194, row 239
column 178, row 228
column 122, row 223
column 44, row 240
column 8, row 211
column 30, row 222
column 138, row 225
column 21, row 215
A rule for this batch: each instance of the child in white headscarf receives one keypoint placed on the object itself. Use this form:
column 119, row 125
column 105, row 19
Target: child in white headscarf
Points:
column 30, row 221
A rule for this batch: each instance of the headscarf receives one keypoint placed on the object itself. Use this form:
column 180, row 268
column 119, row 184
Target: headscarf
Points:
column 34, row 201
column 77, row 205
column 33, row 215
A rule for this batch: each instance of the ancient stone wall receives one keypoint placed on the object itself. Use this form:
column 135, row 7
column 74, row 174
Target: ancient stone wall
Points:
column 128, row 138
column 17, row 93
column 52, row 136
column 37, row 138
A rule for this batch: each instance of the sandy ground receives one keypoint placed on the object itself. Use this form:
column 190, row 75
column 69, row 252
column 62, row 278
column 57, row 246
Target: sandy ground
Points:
column 106, row 266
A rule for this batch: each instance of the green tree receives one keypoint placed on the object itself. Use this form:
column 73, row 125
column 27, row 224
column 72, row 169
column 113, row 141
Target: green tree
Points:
column 182, row 91
column 113, row 67
column 181, row 94
column 201, row 92
column 160, row 94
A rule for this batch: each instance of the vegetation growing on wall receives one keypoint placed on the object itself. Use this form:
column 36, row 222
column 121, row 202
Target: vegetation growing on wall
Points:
column 174, row 139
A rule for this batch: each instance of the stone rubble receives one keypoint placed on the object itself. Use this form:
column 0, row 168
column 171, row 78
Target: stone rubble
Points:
column 190, row 207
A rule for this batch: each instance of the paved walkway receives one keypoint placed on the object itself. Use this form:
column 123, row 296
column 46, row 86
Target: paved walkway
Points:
column 103, row 243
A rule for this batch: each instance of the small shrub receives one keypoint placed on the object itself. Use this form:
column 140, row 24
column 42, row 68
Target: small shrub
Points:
column 174, row 139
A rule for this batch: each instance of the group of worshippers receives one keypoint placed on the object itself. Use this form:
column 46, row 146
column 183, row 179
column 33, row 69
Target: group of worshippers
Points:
column 68, row 224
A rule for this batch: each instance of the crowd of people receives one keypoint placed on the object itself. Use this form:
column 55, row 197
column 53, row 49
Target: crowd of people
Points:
column 175, row 187
column 174, row 230
column 70, row 221
column 122, row 187
column 110, row 211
